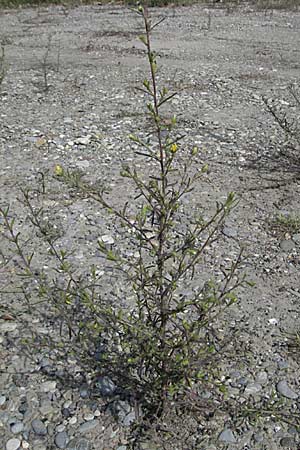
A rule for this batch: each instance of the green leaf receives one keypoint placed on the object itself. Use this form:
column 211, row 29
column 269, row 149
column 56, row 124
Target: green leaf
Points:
column 143, row 39
column 111, row 256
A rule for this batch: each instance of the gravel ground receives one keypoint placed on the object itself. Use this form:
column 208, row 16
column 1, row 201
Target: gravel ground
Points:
column 68, row 99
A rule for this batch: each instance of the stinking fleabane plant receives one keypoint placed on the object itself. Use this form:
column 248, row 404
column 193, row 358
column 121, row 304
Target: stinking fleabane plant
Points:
column 160, row 344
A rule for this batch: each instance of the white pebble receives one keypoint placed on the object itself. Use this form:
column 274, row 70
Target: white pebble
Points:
column 60, row 428
column 67, row 404
column 25, row 444
column 48, row 386
column 97, row 413
column 13, row 444
column 88, row 417
column 73, row 420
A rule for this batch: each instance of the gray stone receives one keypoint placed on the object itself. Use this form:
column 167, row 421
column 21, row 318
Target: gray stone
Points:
column 17, row 427
column 107, row 239
column 120, row 409
column 79, row 444
column 48, row 386
column 258, row 437
column 227, row 436
column 106, row 386
column 66, row 412
column 39, row 427
column 230, row 231
column 61, row 439
column 287, row 245
column 129, row 419
column 205, row 395
column 296, row 238
column 88, row 426
column 2, row 400
column 288, row 442
column 242, row 381
column 285, row 390
column 8, row 327
column 88, row 417
column 13, row 444
column 83, row 140
column 262, row 377
column 148, row 446
column 282, row 364
column 23, row 408
column 252, row 389
column 84, row 393
column 122, row 447
column 46, row 407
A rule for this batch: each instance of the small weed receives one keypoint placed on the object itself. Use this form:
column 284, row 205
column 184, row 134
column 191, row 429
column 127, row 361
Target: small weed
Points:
column 284, row 224
column 293, row 343
column 2, row 63
column 272, row 5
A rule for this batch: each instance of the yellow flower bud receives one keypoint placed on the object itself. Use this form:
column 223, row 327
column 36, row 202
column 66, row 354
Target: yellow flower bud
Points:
column 174, row 148
column 58, row 170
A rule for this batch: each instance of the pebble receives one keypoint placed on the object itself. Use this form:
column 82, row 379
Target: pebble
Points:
column 129, row 419
column 106, row 386
column 107, row 239
column 262, row 378
column 88, row 417
column 287, row 245
column 230, row 231
column 79, row 444
column 8, row 327
column 227, row 436
column 120, row 409
column 13, row 444
column 242, row 381
column 60, row 428
column 282, row 364
column 17, row 427
column 258, row 437
column 287, row 442
column 61, row 439
column 66, row 412
column 25, row 444
column 67, row 404
column 39, row 427
column 2, row 400
column 48, row 386
column 252, row 388
column 83, row 140
column 296, row 238
column 88, row 426
column 73, row 420
column 286, row 391
column 84, row 393
column 46, row 407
